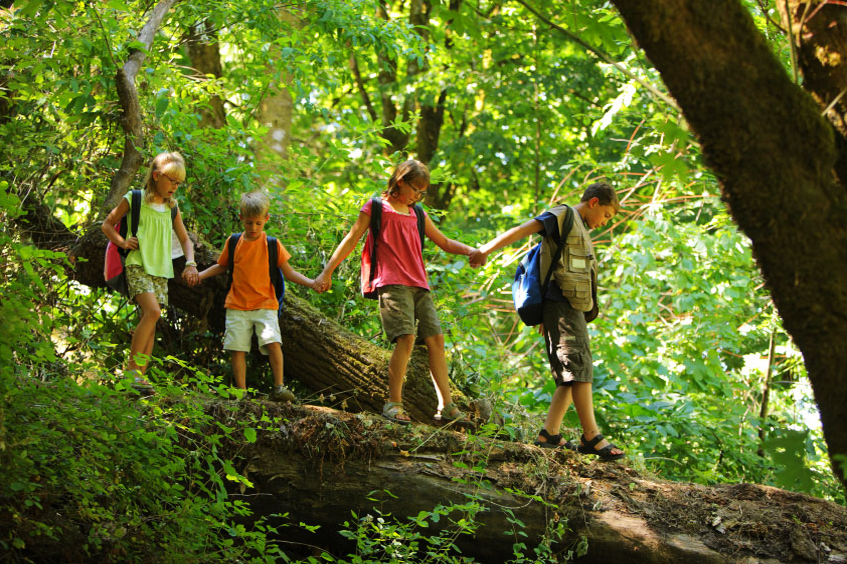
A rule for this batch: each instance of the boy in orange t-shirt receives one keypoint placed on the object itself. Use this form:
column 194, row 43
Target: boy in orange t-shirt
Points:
column 251, row 303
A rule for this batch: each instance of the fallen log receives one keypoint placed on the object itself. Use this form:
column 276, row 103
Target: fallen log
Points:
column 319, row 466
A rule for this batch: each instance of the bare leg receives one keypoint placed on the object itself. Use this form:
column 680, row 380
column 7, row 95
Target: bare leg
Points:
column 239, row 369
column 584, row 405
column 397, row 369
column 438, row 369
column 559, row 405
column 275, row 358
column 145, row 333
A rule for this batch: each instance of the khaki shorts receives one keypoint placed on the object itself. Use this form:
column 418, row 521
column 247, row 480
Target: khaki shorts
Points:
column 401, row 306
column 139, row 282
column 567, row 342
column 241, row 324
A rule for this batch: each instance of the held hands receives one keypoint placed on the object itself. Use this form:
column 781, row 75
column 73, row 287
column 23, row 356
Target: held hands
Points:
column 322, row 283
column 190, row 275
column 477, row 258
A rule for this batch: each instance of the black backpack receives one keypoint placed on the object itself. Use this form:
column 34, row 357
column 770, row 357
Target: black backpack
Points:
column 368, row 290
column 274, row 271
column 113, row 266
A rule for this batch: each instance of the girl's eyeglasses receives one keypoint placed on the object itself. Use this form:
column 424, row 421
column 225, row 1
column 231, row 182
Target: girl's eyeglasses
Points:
column 176, row 183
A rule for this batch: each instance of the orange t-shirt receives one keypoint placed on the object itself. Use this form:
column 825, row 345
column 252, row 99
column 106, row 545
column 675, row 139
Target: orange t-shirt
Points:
column 252, row 288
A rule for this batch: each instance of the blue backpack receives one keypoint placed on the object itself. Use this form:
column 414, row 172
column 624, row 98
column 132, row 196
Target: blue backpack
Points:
column 528, row 289
column 275, row 272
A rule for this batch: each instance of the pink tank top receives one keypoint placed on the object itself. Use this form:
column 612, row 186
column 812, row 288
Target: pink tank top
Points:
column 399, row 259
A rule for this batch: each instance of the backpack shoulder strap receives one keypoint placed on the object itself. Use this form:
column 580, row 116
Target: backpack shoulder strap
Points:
column 231, row 244
column 277, row 278
column 135, row 211
column 567, row 225
column 419, row 212
column 174, row 211
column 376, row 225
column 560, row 240
column 273, row 257
column 376, row 217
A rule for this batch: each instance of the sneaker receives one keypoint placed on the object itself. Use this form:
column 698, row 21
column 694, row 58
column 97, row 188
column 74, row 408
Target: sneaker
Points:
column 281, row 393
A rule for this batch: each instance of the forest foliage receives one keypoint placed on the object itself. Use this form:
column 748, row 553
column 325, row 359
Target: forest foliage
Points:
column 531, row 114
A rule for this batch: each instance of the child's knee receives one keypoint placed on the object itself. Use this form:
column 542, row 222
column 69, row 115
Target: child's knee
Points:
column 435, row 342
column 405, row 342
column 152, row 313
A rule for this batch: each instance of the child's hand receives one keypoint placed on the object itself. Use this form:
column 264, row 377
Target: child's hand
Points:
column 131, row 244
column 190, row 275
column 477, row 258
column 322, row 283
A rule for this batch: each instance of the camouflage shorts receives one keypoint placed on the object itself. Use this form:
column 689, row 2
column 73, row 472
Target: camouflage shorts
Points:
column 139, row 282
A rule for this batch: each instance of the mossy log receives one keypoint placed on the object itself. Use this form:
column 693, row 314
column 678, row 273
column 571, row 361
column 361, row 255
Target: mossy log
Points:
column 321, row 465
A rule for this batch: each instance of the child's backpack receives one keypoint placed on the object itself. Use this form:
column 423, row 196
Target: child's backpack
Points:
column 528, row 290
column 369, row 252
column 113, row 265
column 274, row 271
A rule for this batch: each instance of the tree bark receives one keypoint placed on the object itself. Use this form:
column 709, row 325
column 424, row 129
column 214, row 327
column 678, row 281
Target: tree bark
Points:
column 276, row 112
column 777, row 160
column 320, row 465
column 131, row 116
column 818, row 34
column 204, row 51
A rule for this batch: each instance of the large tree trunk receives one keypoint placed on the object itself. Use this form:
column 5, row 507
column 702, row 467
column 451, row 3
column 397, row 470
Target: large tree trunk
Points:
column 276, row 112
column 777, row 160
column 321, row 465
column 204, row 51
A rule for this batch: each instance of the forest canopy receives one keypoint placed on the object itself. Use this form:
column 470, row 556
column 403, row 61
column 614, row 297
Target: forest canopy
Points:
column 514, row 105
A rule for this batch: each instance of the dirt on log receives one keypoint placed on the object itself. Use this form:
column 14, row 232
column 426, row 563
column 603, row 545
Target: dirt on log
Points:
column 318, row 465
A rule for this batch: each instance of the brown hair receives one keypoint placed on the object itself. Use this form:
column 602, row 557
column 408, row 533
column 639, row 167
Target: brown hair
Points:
column 409, row 171
column 604, row 193
column 255, row 204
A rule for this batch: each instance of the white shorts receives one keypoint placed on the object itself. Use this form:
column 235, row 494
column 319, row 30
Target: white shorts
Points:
column 241, row 324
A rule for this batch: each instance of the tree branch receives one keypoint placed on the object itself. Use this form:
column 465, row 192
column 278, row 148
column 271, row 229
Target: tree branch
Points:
column 131, row 118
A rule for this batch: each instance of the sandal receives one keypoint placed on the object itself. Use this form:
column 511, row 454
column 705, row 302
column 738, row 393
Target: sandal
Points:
column 587, row 447
column 553, row 441
column 450, row 413
column 139, row 384
column 393, row 411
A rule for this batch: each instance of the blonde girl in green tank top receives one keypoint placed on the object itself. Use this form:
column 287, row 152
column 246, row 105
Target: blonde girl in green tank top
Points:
column 149, row 264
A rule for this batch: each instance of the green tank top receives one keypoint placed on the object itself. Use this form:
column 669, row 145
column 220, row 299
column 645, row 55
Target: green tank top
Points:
column 154, row 240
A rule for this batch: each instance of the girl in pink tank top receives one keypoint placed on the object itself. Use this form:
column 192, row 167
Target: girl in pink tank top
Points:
column 400, row 282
